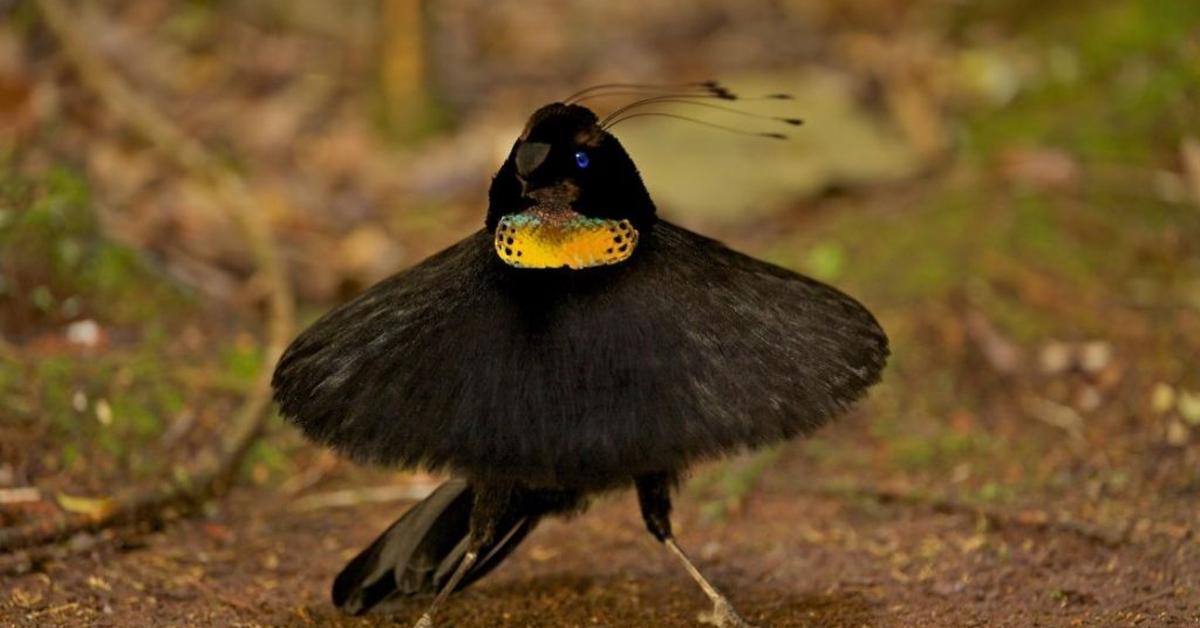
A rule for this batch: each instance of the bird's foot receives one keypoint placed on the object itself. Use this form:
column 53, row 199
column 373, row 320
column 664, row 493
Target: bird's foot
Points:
column 724, row 616
column 426, row 621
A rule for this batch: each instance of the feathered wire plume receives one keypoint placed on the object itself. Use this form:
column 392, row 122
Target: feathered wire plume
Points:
column 697, row 94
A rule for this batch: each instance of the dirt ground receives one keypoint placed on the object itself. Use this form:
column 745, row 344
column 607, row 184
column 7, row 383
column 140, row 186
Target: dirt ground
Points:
column 790, row 556
column 1012, row 187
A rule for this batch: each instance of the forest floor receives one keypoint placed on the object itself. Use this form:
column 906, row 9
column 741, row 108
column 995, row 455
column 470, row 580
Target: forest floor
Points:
column 791, row 556
column 1014, row 191
column 992, row 480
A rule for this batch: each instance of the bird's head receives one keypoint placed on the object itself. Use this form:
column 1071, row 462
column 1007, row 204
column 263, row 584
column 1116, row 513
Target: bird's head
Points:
column 568, row 195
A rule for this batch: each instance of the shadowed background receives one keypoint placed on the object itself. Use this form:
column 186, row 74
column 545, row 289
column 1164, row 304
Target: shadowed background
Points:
column 1013, row 187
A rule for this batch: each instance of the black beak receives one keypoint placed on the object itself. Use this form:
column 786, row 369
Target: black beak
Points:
column 530, row 155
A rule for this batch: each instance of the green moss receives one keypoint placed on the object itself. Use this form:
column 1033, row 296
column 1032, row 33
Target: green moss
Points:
column 1036, row 261
column 994, row 492
column 58, row 265
column 1138, row 67
column 107, row 411
column 726, row 486
column 268, row 456
column 941, row 450
column 242, row 362
column 825, row 260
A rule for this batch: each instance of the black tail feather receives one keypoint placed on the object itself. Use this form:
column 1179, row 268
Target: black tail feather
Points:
column 418, row 553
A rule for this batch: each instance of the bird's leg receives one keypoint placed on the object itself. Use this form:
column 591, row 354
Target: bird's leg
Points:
column 491, row 501
column 654, row 496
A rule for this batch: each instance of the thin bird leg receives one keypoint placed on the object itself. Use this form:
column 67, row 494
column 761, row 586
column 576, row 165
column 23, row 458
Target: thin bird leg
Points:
column 723, row 614
column 491, row 502
column 468, row 560
column 654, row 496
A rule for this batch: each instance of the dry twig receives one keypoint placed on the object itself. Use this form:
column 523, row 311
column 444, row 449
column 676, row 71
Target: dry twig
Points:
column 353, row 497
column 230, row 192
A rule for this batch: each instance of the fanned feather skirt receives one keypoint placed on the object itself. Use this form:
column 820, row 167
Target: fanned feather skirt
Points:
column 687, row 351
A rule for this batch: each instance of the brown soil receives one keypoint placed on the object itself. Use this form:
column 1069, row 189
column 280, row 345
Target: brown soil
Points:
column 788, row 557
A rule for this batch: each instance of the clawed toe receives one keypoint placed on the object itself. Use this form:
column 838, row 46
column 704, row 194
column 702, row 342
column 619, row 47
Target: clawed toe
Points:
column 723, row 616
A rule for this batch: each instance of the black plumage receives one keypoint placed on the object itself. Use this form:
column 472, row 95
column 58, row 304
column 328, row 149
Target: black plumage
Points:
column 420, row 551
column 564, row 377
column 539, row 385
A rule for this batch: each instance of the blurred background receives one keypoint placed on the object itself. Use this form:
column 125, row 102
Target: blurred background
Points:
column 1012, row 186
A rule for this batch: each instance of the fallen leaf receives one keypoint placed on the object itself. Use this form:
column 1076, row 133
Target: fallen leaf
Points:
column 1055, row 358
column 1189, row 152
column 25, row 599
column 94, row 507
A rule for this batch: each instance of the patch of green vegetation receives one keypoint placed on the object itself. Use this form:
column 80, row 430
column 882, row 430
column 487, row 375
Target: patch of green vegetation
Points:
column 907, row 258
column 1038, row 261
column 1133, row 99
column 1132, row 96
column 937, row 451
column 729, row 483
column 994, row 492
column 191, row 24
column 269, row 462
column 107, row 412
column 56, row 265
column 825, row 260
column 242, row 361
column 111, row 405
column 106, row 407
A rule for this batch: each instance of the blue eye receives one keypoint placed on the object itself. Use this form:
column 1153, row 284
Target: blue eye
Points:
column 581, row 159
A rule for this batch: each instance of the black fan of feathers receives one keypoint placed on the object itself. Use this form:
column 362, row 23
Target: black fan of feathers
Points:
column 575, row 343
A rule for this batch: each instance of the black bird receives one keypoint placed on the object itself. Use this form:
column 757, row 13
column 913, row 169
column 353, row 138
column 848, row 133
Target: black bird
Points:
column 575, row 344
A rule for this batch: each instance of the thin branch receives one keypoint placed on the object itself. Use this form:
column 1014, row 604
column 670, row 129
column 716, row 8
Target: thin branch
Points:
column 353, row 497
column 19, row 495
column 230, row 192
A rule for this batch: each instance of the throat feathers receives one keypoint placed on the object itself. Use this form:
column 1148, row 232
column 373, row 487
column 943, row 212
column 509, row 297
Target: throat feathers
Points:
column 562, row 238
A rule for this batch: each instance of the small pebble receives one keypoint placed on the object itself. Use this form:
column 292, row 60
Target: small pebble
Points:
column 85, row 333
column 1095, row 355
column 1055, row 358
column 1178, row 434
